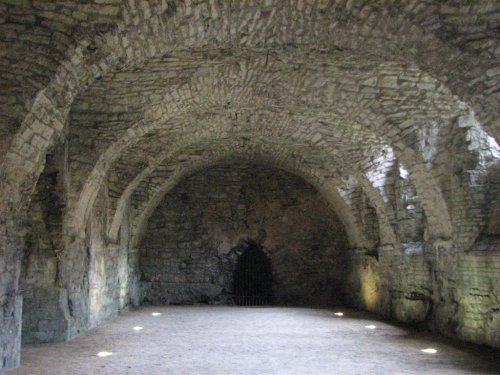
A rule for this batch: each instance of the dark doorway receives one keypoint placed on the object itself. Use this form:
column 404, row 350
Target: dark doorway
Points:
column 253, row 279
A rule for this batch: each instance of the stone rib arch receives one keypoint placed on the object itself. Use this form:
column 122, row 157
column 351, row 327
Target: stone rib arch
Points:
column 268, row 136
column 120, row 44
column 359, row 30
column 371, row 121
column 189, row 140
column 384, row 212
column 275, row 123
column 182, row 142
column 353, row 231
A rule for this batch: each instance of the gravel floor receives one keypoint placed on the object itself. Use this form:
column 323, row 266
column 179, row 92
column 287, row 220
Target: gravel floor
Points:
column 255, row 340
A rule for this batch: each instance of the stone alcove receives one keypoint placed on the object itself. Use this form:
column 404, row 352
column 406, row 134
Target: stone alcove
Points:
column 203, row 226
column 253, row 277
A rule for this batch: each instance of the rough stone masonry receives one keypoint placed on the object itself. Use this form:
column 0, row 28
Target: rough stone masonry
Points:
column 143, row 143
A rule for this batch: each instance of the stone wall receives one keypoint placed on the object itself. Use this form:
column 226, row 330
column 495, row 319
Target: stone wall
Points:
column 46, row 316
column 339, row 92
column 472, row 271
column 69, row 289
column 193, row 240
column 446, row 284
column 108, row 266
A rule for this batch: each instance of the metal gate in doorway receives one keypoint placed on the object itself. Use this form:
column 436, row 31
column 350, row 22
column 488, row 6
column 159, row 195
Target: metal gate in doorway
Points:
column 252, row 279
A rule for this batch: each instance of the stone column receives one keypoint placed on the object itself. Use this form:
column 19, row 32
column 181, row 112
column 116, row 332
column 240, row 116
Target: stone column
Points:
column 11, row 246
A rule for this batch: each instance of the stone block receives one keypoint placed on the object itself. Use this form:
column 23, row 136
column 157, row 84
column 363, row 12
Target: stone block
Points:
column 410, row 310
column 43, row 325
column 46, row 316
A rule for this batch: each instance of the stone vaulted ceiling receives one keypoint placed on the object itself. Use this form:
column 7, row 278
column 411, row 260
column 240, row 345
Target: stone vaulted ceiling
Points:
column 146, row 92
column 389, row 109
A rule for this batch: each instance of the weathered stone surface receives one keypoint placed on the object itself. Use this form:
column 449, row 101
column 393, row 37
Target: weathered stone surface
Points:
column 383, row 107
column 45, row 316
column 191, row 247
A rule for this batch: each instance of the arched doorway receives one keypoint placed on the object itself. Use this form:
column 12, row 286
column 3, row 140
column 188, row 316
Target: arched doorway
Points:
column 252, row 278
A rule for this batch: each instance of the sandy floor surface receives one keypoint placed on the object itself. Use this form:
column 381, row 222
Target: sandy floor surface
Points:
column 255, row 340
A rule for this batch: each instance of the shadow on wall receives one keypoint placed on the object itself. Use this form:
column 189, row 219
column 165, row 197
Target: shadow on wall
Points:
column 253, row 277
column 245, row 275
column 186, row 256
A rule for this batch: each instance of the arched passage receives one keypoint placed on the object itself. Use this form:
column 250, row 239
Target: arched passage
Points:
column 253, row 277
column 109, row 87
column 217, row 237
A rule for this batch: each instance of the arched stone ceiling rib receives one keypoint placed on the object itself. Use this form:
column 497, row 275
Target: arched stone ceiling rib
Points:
column 401, row 104
column 266, row 151
column 335, row 154
column 324, row 177
column 35, row 37
column 154, row 29
column 203, row 141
